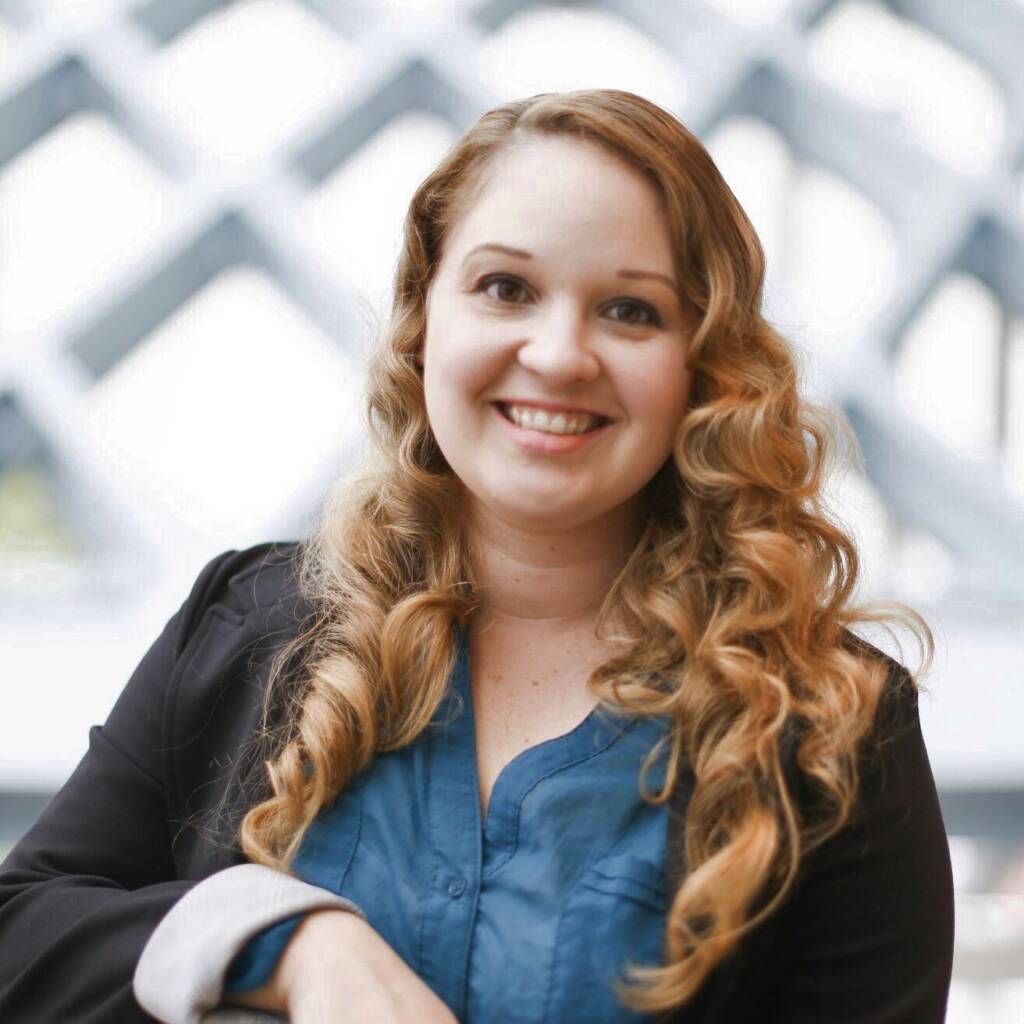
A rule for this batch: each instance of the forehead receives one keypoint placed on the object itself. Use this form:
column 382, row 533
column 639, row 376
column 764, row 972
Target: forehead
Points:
column 544, row 192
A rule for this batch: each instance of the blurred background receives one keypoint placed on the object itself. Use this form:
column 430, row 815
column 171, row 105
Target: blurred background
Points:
column 200, row 210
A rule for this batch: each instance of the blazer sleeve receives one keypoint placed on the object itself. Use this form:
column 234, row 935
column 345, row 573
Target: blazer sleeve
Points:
column 86, row 886
column 180, row 974
column 868, row 938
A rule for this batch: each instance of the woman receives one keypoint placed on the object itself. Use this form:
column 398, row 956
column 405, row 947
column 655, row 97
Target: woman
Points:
column 403, row 771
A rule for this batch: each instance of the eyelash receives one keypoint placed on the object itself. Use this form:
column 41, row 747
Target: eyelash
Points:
column 654, row 317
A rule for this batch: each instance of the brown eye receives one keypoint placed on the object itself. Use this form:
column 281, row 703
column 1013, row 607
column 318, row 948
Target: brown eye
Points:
column 504, row 280
column 501, row 280
column 653, row 320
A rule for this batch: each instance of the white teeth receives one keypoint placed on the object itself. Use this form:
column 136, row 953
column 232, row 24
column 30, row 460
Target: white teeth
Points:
column 538, row 419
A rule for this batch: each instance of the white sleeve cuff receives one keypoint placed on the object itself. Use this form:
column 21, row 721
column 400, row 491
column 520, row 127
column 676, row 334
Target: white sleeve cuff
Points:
column 180, row 974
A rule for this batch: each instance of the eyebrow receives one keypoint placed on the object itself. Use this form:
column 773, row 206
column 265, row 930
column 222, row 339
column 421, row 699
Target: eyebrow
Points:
column 523, row 254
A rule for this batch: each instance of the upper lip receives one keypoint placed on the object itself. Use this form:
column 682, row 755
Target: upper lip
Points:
column 553, row 407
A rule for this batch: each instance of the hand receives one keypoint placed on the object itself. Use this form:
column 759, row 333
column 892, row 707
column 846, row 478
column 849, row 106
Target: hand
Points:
column 337, row 969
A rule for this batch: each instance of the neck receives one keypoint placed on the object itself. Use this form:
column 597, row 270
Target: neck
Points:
column 547, row 578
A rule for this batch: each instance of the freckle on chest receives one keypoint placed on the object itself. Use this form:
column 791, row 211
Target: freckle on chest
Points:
column 523, row 695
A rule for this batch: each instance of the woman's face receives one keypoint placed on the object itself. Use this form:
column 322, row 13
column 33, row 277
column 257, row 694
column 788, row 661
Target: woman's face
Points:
column 578, row 311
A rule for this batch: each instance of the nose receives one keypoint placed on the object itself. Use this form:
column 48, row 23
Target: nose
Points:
column 559, row 348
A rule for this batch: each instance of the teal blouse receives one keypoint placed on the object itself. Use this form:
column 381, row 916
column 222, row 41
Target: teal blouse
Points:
column 527, row 916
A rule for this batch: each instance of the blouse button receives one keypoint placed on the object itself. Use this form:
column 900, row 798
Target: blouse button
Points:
column 457, row 887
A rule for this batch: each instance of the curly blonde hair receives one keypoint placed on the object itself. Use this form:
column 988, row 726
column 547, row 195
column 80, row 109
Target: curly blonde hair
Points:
column 733, row 604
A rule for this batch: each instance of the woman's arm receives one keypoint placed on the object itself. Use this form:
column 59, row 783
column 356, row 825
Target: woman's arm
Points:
column 866, row 935
column 84, row 889
column 181, row 971
column 868, row 938
column 336, row 966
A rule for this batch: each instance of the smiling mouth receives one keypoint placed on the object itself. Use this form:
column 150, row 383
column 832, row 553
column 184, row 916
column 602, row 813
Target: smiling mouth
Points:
column 597, row 424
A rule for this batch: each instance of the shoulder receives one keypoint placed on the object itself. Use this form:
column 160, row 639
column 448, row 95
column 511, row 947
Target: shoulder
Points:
column 895, row 733
column 899, row 682
column 244, row 606
column 258, row 583
column 896, row 718
column 881, row 885
column 245, row 592
column 895, row 789
column 246, row 579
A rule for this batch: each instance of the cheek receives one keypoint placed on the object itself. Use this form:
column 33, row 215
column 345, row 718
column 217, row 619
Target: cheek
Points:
column 457, row 386
column 658, row 395
column 461, row 368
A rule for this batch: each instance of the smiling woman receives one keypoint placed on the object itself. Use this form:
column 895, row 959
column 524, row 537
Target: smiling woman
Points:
column 551, row 337
column 558, row 714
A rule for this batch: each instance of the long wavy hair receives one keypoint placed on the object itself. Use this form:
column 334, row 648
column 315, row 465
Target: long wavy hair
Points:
column 733, row 605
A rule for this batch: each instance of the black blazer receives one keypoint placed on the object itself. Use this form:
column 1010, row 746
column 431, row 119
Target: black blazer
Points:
column 867, row 937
